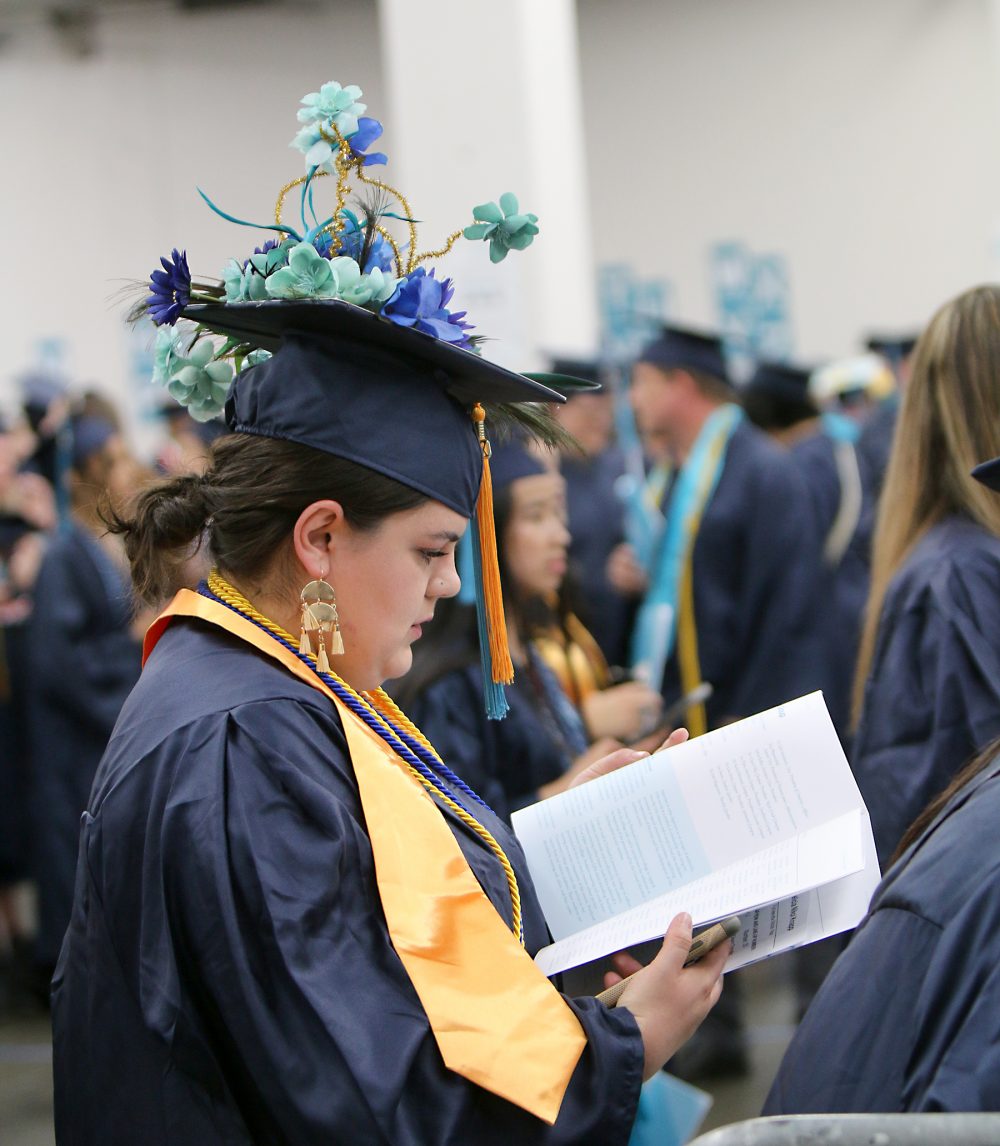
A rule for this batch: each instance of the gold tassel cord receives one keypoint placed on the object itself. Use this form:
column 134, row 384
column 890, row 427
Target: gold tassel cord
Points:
column 381, row 706
column 503, row 668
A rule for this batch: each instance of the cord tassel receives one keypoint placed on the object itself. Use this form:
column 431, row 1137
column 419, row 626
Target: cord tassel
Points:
column 498, row 669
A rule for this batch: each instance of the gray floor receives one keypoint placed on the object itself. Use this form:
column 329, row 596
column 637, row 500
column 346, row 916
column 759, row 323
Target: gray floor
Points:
column 26, row 1063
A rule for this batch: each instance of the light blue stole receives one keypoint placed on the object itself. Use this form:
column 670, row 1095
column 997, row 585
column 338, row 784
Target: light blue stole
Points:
column 656, row 623
column 840, row 428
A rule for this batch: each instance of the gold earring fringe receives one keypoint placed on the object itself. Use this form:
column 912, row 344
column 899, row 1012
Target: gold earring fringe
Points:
column 320, row 617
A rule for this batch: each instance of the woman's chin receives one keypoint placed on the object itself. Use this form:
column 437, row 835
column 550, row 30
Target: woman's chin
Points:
column 399, row 665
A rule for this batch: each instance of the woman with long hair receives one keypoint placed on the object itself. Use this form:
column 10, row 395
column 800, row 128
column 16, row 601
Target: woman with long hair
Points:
column 927, row 689
column 909, row 1018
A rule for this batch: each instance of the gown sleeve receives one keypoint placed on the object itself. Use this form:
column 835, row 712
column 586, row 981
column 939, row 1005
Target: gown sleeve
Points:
column 956, row 1050
column 269, row 883
column 777, row 659
column 931, row 701
column 83, row 659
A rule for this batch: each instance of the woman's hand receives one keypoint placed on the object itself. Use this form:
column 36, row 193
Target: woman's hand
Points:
column 620, row 758
column 624, row 572
column 667, row 999
column 625, row 711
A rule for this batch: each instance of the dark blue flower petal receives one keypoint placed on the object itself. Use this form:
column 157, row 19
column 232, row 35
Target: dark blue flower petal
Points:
column 169, row 289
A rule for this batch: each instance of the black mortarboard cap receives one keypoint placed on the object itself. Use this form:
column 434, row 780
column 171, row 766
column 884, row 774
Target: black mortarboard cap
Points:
column 90, row 436
column 680, row 348
column 514, row 459
column 347, row 382
column 39, row 389
column 780, row 380
column 988, row 473
column 895, row 347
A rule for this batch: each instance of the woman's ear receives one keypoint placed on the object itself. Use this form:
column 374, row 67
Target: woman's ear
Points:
column 315, row 536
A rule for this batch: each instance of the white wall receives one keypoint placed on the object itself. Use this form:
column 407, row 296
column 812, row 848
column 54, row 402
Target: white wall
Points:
column 101, row 157
column 861, row 139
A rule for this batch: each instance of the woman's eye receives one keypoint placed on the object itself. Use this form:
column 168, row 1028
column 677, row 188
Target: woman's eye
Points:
column 430, row 554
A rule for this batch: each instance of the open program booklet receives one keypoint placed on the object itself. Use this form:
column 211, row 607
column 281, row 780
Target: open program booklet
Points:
column 760, row 819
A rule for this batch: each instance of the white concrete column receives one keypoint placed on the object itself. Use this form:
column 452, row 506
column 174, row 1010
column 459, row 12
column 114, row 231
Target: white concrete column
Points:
column 484, row 98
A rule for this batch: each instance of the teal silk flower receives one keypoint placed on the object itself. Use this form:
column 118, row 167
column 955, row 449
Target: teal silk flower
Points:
column 201, row 383
column 168, row 357
column 353, row 286
column 308, row 275
column 506, row 228
column 246, row 281
column 331, row 103
column 243, row 283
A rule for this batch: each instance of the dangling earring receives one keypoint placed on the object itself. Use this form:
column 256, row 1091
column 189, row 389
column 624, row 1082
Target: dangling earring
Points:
column 319, row 616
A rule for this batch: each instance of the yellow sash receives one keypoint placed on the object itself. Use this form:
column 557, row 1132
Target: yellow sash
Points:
column 497, row 1020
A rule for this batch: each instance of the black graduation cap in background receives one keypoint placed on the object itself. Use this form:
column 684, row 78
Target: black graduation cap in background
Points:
column 682, row 348
column 781, row 380
column 894, row 347
column 988, row 473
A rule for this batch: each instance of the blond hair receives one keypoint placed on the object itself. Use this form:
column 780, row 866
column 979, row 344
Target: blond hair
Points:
column 949, row 421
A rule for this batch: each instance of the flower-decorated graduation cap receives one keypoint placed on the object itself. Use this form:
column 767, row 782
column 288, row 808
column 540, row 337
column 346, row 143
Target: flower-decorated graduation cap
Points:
column 681, row 348
column 339, row 334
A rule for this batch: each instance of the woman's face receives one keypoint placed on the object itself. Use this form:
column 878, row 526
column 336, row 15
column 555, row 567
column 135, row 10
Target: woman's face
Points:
column 388, row 581
column 536, row 538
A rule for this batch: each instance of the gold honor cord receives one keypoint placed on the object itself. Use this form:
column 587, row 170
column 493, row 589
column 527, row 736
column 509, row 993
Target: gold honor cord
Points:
column 687, row 628
column 497, row 1020
column 374, row 702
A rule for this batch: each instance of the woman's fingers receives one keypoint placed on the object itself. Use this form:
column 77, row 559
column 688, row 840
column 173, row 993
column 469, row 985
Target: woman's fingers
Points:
column 669, row 1000
column 678, row 736
column 611, row 763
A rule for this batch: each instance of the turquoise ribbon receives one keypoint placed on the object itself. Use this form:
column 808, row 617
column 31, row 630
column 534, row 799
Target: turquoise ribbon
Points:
column 840, row 428
column 656, row 623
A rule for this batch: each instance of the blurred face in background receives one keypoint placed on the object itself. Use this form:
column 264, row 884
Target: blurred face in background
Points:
column 590, row 418
column 657, row 398
column 112, row 470
column 536, row 539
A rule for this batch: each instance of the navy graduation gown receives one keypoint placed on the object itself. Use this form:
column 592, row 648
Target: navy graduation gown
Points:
column 82, row 662
column 596, row 515
column 505, row 761
column 755, row 565
column 228, row 977
column 909, row 1018
column 841, row 588
column 932, row 699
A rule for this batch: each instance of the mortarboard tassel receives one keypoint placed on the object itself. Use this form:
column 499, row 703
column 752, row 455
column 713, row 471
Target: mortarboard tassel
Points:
column 497, row 667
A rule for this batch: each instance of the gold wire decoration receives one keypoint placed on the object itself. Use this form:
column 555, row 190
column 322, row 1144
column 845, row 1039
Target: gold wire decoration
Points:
column 346, row 163
column 450, row 242
column 283, row 193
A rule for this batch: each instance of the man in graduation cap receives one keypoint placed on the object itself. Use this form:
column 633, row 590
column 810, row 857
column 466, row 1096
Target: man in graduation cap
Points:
column 730, row 565
column 731, row 560
column 293, row 922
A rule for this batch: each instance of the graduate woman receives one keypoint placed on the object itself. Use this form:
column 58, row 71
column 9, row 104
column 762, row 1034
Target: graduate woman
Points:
column 929, row 664
column 909, row 1018
column 293, row 923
